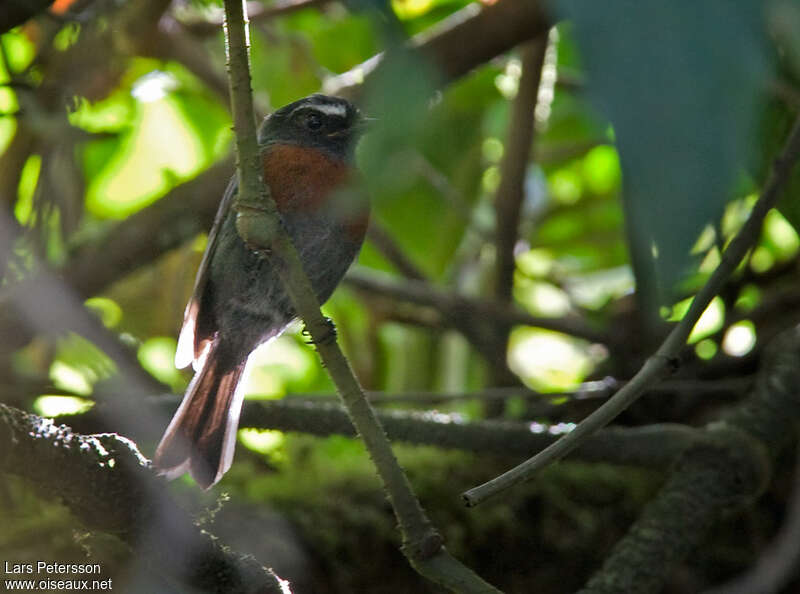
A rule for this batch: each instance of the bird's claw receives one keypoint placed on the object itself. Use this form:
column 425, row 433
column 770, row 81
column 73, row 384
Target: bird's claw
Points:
column 329, row 336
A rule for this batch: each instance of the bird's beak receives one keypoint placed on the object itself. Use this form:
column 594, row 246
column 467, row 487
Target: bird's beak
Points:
column 363, row 125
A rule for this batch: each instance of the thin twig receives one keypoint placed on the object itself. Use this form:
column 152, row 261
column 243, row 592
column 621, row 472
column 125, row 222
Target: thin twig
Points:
column 390, row 249
column 258, row 225
column 664, row 359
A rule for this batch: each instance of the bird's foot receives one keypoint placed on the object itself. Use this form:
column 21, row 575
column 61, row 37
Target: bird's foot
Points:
column 328, row 336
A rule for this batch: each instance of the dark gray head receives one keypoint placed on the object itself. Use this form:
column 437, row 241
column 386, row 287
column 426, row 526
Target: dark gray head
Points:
column 328, row 123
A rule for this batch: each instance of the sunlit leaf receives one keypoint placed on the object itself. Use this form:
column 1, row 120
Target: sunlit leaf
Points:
column 19, row 50
column 157, row 355
column 110, row 313
column 710, row 321
column 8, row 127
column 23, row 209
column 109, row 115
column 601, row 172
column 548, row 361
column 263, row 442
column 160, row 150
column 79, row 364
column 277, row 366
column 53, row 406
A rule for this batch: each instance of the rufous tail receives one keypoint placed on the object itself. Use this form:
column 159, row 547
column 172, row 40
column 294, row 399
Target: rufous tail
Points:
column 201, row 437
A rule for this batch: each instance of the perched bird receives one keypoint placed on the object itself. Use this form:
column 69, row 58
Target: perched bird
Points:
column 239, row 301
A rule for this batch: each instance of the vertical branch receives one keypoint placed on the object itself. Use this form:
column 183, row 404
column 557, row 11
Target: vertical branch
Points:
column 258, row 225
column 257, row 217
column 511, row 190
column 508, row 201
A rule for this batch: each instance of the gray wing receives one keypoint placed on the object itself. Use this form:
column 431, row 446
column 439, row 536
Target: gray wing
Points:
column 193, row 342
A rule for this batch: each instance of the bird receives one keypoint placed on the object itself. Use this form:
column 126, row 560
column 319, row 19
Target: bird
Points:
column 238, row 301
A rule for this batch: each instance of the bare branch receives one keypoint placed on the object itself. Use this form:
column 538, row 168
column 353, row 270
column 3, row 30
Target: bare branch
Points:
column 390, row 249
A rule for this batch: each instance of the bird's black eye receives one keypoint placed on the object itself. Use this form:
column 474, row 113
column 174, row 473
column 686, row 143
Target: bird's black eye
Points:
column 312, row 121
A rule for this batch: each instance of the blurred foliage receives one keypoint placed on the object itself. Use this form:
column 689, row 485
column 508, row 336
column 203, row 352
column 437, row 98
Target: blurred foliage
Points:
column 654, row 133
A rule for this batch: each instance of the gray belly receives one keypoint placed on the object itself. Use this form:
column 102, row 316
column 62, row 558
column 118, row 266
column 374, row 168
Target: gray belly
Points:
column 246, row 295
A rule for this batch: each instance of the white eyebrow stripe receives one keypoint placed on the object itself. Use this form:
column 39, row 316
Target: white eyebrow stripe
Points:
column 337, row 110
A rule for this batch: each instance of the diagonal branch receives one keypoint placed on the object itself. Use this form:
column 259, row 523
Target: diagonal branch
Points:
column 725, row 470
column 258, row 225
column 664, row 360
column 471, row 36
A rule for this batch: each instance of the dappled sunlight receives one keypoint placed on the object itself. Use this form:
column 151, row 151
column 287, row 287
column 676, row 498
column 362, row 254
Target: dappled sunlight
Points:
column 276, row 364
column 601, row 170
column 710, row 321
column 53, row 406
column 739, row 339
column 781, row 236
column 69, row 378
column 526, row 275
column 548, row 361
column 157, row 355
column 23, row 209
column 159, row 149
column 154, row 86
column 109, row 312
column 79, row 364
column 407, row 9
column 596, row 289
column 706, row 349
column 552, row 429
column 263, row 442
column 542, row 298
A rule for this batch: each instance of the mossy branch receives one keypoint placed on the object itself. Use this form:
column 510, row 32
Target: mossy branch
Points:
column 651, row 446
column 108, row 485
column 726, row 469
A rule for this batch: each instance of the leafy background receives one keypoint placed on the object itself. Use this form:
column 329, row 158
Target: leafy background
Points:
column 654, row 131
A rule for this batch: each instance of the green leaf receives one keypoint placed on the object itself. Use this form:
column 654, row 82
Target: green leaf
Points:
column 681, row 83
